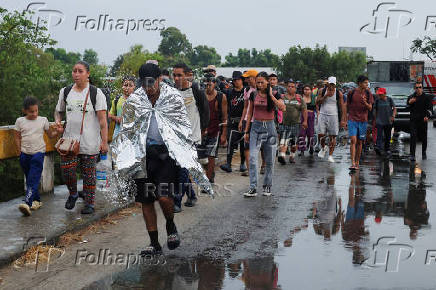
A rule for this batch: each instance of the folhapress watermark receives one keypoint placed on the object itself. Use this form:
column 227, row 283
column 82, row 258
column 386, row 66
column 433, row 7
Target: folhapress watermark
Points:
column 388, row 19
column 105, row 257
column 42, row 15
column 108, row 23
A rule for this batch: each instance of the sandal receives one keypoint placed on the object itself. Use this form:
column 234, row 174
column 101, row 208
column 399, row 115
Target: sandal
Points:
column 151, row 251
column 173, row 241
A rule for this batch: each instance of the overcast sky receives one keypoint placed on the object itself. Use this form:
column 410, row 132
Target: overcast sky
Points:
column 229, row 25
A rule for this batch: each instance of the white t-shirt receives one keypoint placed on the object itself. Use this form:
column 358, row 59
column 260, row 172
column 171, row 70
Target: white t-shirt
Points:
column 32, row 134
column 91, row 139
column 193, row 114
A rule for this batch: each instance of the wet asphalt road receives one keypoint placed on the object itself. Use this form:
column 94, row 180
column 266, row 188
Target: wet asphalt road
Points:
column 317, row 231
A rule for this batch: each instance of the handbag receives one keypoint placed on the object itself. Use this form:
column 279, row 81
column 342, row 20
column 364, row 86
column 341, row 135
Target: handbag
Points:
column 69, row 146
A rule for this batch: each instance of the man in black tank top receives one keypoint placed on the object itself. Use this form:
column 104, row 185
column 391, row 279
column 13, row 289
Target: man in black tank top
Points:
column 235, row 109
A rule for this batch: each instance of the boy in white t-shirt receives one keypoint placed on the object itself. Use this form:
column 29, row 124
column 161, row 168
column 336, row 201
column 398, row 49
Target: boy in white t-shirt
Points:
column 29, row 139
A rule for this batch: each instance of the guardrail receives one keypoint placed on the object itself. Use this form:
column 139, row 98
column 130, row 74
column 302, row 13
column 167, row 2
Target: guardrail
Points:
column 8, row 151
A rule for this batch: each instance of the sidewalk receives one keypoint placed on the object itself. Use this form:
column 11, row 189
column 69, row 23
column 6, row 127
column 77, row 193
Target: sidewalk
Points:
column 52, row 220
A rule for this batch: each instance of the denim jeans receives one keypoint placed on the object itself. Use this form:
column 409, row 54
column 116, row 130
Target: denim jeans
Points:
column 262, row 134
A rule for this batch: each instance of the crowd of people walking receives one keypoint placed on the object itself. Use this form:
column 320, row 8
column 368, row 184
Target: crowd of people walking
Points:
column 174, row 122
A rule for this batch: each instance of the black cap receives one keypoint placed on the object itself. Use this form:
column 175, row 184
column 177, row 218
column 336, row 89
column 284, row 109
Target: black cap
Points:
column 237, row 75
column 149, row 70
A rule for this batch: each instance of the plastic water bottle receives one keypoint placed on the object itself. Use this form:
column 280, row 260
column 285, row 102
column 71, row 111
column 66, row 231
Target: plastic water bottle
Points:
column 102, row 169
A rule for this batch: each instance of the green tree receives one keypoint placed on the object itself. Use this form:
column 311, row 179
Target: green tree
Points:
column 115, row 68
column 136, row 57
column 25, row 69
column 347, row 66
column 308, row 65
column 61, row 54
column 425, row 46
column 174, row 42
column 90, row 56
column 253, row 58
column 203, row 55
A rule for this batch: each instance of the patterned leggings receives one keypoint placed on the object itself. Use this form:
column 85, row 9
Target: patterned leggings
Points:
column 87, row 167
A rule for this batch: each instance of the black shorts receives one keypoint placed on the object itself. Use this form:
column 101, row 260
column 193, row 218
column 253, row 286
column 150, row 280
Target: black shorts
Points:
column 162, row 176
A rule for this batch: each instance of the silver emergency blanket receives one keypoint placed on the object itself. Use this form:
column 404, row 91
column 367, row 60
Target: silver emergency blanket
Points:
column 129, row 147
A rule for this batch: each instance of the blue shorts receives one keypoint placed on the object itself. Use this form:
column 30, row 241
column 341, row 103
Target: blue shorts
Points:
column 357, row 129
column 355, row 213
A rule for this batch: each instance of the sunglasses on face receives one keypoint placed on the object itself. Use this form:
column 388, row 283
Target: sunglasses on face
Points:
column 420, row 87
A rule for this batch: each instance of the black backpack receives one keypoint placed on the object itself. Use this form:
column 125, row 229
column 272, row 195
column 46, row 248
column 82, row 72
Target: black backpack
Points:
column 391, row 103
column 92, row 96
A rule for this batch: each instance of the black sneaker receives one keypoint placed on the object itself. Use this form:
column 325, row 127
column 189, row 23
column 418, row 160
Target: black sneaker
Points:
column 424, row 156
column 267, row 190
column 151, row 251
column 311, row 151
column 191, row 202
column 226, row 168
column 173, row 241
column 71, row 202
column 250, row 193
column 281, row 160
column 242, row 168
column 412, row 158
column 87, row 210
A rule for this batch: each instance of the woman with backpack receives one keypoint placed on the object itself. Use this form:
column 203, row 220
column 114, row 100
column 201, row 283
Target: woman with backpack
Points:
column 262, row 132
column 84, row 107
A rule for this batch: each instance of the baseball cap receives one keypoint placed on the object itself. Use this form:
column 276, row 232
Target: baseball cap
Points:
column 153, row 61
column 272, row 75
column 250, row 73
column 332, row 80
column 381, row 91
column 237, row 75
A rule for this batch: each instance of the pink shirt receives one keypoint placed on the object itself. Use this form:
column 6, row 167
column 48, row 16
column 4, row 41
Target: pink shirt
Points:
column 260, row 108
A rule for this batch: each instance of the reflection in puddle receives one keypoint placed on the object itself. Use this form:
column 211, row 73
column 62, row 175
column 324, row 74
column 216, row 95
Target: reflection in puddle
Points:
column 200, row 273
column 333, row 248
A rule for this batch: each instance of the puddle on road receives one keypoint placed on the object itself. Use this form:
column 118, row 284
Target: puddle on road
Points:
column 369, row 230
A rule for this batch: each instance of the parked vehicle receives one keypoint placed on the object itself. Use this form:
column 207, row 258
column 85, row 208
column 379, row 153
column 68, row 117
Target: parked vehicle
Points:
column 429, row 84
column 398, row 77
